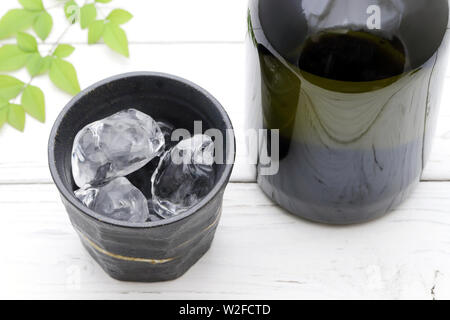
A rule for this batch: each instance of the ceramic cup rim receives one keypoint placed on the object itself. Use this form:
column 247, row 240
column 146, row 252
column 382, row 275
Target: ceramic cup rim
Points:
column 68, row 194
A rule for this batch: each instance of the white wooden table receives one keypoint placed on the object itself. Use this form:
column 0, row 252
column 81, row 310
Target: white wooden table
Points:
column 260, row 251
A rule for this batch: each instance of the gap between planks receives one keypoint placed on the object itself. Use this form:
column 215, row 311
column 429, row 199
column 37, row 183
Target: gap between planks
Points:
column 175, row 42
column 32, row 183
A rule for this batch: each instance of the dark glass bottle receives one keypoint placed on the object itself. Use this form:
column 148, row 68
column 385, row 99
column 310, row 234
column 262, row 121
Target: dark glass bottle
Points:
column 353, row 86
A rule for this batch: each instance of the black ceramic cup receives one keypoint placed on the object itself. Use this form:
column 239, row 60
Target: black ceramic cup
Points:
column 151, row 251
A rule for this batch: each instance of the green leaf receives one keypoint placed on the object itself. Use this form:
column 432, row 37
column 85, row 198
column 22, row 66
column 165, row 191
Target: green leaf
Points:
column 33, row 5
column 103, row 1
column 119, row 16
column 3, row 102
column 10, row 87
column 26, row 42
column 14, row 21
column 37, row 65
column 64, row 76
column 116, row 38
column 16, row 116
column 72, row 11
column 63, row 51
column 33, row 102
column 3, row 115
column 12, row 58
column 3, row 111
column 96, row 30
column 43, row 25
column 88, row 13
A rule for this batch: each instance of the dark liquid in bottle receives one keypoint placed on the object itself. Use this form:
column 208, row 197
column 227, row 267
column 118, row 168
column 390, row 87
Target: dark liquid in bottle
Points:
column 351, row 119
column 352, row 56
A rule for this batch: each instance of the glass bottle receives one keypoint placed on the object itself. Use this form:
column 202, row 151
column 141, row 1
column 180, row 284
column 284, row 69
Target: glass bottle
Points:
column 349, row 91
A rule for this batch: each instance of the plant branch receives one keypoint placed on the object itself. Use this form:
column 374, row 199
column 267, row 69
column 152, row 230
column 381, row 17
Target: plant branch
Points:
column 51, row 51
column 100, row 10
column 58, row 41
column 16, row 99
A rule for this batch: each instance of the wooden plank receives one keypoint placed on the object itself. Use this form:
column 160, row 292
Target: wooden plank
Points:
column 159, row 21
column 438, row 167
column 259, row 252
column 23, row 157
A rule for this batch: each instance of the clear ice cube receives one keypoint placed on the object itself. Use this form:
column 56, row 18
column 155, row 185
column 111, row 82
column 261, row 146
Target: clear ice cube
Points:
column 154, row 216
column 117, row 199
column 167, row 130
column 115, row 146
column 185, row 175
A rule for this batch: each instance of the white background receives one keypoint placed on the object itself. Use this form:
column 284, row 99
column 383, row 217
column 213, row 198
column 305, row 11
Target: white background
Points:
column 260, row 251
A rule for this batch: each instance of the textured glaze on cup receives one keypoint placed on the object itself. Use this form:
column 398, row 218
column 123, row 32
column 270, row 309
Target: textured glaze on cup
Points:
column 151, row 251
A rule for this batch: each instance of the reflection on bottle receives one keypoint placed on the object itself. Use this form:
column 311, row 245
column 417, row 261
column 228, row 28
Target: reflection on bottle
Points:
column 280, row 92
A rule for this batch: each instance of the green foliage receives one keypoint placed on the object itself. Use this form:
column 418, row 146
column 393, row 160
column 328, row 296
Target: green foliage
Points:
column 72, row 11
column 116, row 38
column 26, row 42
column 63, row 51
column 14, row 21
column 26, row 54
column 88, row 14
column 33, row 102
column 3, row 113
column 96, row 30
column 33, row 5
column 64, row 76
column 16, row 116
column 12, row 58
column 43, row 25
column 10, row 87
column 119, row 16
column 38, row 65
column 111, row 32
column 109, row 29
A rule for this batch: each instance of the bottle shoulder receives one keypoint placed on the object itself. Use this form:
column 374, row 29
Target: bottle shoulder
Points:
column 285, row 26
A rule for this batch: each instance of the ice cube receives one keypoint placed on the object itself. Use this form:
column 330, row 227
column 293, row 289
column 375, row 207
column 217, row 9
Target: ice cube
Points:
column 117, row 199
column 115, row 146
column 154, row 216
column 167, row 130
column 184, row 176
